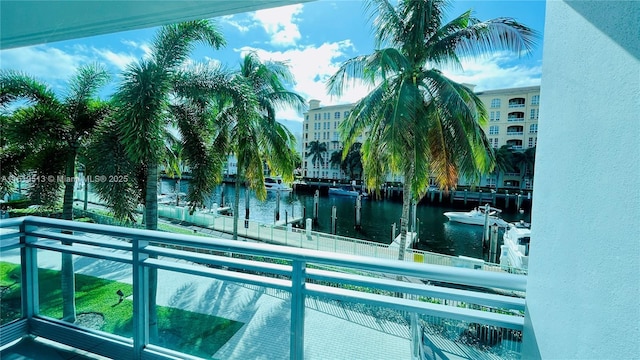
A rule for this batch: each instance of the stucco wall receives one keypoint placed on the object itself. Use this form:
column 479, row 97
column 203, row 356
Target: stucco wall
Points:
column 583, row 294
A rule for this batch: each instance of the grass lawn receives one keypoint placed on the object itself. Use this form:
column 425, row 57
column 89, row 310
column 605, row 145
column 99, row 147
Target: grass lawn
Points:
column 185, row 331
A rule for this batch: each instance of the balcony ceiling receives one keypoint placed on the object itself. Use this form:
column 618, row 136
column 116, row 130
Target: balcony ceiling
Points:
column 25, row 22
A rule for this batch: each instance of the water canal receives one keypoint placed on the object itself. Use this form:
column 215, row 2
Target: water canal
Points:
column 436, row 233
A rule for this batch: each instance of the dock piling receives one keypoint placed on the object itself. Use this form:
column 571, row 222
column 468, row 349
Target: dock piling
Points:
column 334, row 217
column 358, row 212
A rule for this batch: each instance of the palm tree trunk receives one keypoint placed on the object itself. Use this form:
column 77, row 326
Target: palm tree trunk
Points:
column 151, row 215
column 406, row 205
column 151, row 200
column 67, row 272
column 236, row 206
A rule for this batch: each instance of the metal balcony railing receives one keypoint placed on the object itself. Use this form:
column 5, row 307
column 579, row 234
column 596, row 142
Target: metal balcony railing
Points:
column 289, row 301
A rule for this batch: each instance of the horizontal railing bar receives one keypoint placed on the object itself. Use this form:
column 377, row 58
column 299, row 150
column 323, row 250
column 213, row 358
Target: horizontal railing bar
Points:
column 432, row 272
column 11, row 222
column 6, row 245
column 112, row 244
column 85, row 251
column 251, row 279
column 8, row 235
column 97, row 342
column 218, row 260
column 392, row 285
column 443, row 311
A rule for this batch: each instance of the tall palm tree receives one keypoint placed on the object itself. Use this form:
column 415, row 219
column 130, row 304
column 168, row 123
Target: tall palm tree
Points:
column 504, row 162
column 353, row 161
column 145, row 101
column 316, row 151
column 254, row 136
column 47, row 137
column 336, row 159
column 419, row 121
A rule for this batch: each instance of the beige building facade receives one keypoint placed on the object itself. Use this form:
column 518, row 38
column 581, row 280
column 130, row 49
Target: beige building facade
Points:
column 513, row 120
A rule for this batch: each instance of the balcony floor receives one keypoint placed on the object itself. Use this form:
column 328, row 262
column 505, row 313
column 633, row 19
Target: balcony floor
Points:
column 38, row 349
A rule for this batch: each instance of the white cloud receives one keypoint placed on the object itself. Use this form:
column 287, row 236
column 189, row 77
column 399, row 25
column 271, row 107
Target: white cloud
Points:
column 119, row 60
column 48, row 64
column 279, row 24
column 235, row 21
column 311, row 67
column 489, row 73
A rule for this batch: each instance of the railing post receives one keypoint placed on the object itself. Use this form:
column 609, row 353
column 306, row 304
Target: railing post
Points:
column 140, row 298
column 29, row 273
column 297, row 310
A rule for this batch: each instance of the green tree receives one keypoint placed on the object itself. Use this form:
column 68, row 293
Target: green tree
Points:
column 316, row 151
column 352, row 163
column 420, row 122
column 45, row 138
column 154, row 92
column 504, row 162
column 336, row 159
column 254, row 136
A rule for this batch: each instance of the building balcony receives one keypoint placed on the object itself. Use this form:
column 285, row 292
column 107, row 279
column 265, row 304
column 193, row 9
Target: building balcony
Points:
column 515, row 119
column 238, row 300
column 515, row 133
column 513, row 106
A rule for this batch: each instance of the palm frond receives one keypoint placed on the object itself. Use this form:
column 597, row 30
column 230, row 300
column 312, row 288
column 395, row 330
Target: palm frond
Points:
column 15, row 85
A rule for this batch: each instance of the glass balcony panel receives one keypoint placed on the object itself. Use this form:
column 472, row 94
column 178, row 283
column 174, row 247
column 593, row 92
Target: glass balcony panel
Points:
column 103, row 292
column 10, row 286
column 351, row 330
column 447, row 338
column 211, row 318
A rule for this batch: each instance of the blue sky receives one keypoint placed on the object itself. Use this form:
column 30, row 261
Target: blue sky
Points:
column 314, row 38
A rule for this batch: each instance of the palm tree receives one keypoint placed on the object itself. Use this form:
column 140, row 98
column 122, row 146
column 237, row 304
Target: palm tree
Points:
column 419, row 121
column 153, row 92
column 336, row 159
column 504, row 162
column 525, row 161
column 254, row 136
column 353, row 161
column 316, row 150
column 47, row 137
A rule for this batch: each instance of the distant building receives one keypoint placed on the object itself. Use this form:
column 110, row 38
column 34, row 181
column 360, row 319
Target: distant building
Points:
column 513, row 120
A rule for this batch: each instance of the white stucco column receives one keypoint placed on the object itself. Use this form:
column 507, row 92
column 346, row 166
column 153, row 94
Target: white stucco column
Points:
column 583, row 292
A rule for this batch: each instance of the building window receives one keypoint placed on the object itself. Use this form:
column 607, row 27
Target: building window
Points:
column 497, row 115
column 530, row 142
column 335, row 125
column 533, row 114
column 492, row 116
column 533, row 128
column 494, row 130
column 493, row 142
column 495, row 103
column 306, row 126
column 306, row 117
column 336, row 115
column 535, row 100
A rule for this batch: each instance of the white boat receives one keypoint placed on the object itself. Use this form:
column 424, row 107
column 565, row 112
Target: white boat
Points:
column 346, row 192
column 515, row 251
column 276, row 184
column 477, row 216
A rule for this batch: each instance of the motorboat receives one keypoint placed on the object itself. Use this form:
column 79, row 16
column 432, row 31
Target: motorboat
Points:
column 346, row 192
column 276, row 184
column 477, row 216
column 515, row 251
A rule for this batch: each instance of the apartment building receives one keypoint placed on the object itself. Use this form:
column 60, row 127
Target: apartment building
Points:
column 513, row 120
column 321, row 124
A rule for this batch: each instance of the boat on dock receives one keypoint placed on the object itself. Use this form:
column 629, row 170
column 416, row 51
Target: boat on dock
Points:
column 477, row 216
column 276, row 184
column 515, row 251
column 346, row 192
